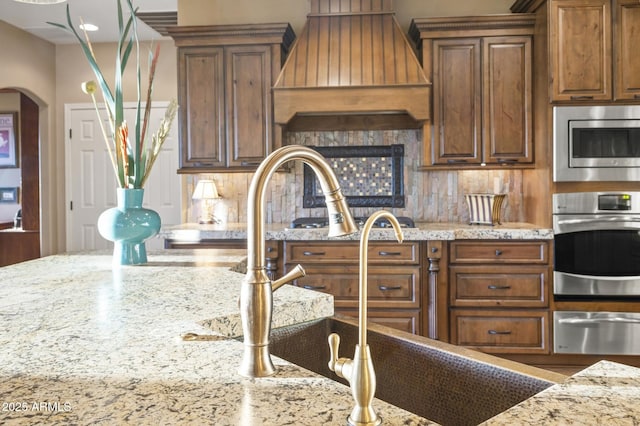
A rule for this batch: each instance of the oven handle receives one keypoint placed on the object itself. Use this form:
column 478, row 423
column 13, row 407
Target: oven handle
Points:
column 574, row 224
column 604, row 219
column 585, row 321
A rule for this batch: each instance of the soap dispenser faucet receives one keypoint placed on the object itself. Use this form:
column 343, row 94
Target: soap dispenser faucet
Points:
column 359, row 372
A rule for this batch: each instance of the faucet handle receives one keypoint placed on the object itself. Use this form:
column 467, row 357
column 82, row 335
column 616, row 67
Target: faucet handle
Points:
column 297, row 272
column 341, row 366
column 334, row 347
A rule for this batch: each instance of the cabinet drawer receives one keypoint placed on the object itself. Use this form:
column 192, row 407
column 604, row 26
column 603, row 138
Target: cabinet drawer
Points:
column 341, row 252
column 500, row 331
column 405, row 320
column 508, row 286
column 397, row 288
column 499, row 252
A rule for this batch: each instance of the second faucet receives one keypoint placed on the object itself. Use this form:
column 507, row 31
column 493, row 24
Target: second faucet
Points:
column 359, row 372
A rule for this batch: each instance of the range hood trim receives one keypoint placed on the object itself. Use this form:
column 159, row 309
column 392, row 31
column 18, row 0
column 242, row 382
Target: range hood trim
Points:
column 350, row 100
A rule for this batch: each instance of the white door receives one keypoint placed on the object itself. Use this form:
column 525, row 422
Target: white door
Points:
column 91, row 183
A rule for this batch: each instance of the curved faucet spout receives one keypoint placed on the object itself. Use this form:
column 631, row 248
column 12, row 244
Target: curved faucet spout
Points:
column 256, row 293
column 364, row 260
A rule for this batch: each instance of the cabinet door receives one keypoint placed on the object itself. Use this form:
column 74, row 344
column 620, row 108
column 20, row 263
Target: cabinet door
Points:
column 201, row 99
column 249, row 110
column 457, row 101
column 580, row 43
column 627, row 40
column 507, row 103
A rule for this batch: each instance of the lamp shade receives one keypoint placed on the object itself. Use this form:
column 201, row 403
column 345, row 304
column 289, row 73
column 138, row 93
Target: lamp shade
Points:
column 205, row 190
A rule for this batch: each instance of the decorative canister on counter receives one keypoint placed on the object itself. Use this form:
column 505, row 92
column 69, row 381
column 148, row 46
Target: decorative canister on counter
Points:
column 484, row 209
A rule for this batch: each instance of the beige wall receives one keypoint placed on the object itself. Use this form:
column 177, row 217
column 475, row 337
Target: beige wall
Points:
column 207, row 12
column 28, row 65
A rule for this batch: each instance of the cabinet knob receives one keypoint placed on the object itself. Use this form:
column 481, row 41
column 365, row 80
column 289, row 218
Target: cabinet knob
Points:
column 498, row 287
column 498, row 252
column 389, row 253
column 389, row 287
column 314, row 287
column 313, row 253
column 580, row 97
column 434, row 249
column 496, row 332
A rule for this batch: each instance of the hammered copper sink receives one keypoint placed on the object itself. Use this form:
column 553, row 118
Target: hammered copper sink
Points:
column 444, row 383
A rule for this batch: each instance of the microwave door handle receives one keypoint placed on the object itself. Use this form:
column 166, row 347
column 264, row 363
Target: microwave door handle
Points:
column 589, row 321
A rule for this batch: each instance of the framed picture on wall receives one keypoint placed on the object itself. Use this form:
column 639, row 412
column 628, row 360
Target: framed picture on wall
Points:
column 8, row 139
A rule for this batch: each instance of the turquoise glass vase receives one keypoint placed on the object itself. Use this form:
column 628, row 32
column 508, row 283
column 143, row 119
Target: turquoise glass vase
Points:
column 128, row 225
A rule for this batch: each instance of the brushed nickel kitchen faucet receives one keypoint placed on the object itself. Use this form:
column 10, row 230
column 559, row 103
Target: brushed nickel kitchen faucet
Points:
column 359, row 371
column 256, row 293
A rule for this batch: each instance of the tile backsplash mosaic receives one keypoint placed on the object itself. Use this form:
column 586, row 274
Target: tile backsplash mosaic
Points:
column 431, row 196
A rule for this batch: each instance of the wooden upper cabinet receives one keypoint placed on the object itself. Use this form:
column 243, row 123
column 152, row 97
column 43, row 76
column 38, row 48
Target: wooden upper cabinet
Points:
column 457, row 101
column 594, row 50
column 202, row 103
column 481, row 72
column 249, row 118
column 627, row 43
column 225, row 76
column 580, row 42
column 507, row 100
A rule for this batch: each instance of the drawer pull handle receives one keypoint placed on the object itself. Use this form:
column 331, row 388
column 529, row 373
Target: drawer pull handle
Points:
column 313, row 253
column 496, row 332
column 580, row 97
column 498, row 287
column 314, row 287
column 498, row 252
column 389, row 288
column 389, row 253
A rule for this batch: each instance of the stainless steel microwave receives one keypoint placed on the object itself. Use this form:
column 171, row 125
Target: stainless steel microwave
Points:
column 596, row 143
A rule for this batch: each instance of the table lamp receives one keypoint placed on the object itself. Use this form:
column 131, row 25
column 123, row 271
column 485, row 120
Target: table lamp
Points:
column 207, row 192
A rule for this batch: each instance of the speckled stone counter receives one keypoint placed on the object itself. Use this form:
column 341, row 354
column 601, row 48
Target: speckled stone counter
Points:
column 83, row 343
column 193, row 232
column 606, row 393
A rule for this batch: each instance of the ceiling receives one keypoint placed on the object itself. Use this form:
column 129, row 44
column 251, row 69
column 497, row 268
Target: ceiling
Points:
column 103, row 13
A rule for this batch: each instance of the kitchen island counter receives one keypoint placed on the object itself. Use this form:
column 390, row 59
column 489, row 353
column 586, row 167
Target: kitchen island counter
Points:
column 85, row 343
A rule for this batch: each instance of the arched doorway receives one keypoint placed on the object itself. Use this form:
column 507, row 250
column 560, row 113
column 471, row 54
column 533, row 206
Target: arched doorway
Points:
column 17, row 245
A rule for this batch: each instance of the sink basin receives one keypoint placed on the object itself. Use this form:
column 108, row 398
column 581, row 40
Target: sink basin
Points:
column 441, row 382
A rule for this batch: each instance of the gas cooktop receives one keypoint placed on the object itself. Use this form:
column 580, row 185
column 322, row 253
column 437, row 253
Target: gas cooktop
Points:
column 323, row 222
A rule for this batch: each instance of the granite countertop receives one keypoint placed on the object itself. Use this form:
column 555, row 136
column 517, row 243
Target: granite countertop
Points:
column 193, row 232
column 606, row 393
column 84, row 343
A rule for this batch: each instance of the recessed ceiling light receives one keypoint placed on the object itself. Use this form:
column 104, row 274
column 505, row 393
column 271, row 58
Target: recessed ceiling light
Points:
column 41, row 1
column 88, row 27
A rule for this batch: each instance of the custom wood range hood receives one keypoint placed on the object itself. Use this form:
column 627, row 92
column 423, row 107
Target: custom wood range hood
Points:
column 351, row 68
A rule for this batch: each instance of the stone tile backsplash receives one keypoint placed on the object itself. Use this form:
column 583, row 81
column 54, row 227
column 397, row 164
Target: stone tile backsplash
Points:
column 431, row 196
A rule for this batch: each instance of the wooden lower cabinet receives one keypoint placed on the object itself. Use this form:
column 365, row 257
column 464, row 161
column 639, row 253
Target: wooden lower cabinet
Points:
column 393, row 284
column 18, row 246
column 499, row 294
column 501, row 331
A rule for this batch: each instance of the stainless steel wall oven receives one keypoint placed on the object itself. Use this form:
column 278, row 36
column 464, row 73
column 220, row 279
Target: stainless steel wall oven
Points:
column 597, row 258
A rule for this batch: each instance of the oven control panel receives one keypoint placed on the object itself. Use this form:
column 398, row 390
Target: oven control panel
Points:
column 593, row 203
column 614, row 202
